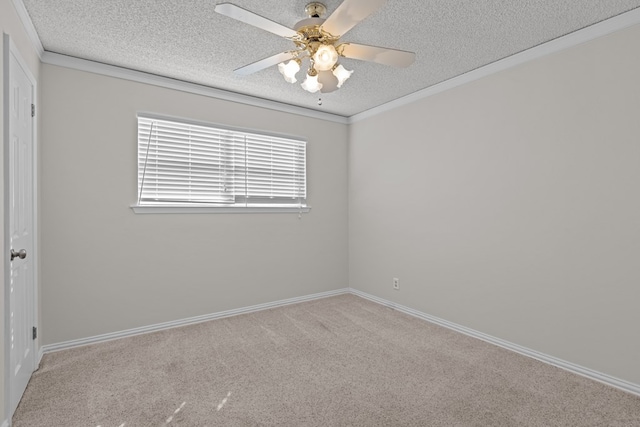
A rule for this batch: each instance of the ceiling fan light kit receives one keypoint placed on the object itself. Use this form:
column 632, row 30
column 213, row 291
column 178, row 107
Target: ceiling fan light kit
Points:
column 290, row 69
column 325, row 57
column 316, row 41
column 311, row 83
column 342, row 74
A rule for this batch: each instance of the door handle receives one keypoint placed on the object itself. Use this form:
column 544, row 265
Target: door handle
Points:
column 22, row 254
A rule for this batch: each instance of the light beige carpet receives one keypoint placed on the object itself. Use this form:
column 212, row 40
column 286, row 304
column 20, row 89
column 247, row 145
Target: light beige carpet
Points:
column 339, row 361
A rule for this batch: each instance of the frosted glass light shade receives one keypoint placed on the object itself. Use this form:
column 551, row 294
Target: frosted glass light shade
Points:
column 289, row 70
column 325, row 57
column 311, row 84
column 342, row 74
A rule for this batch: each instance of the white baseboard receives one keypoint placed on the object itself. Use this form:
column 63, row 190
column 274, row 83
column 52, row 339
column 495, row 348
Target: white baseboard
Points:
column 184, row 322
column 40, row 354
column 568, row 366
column 563, row 364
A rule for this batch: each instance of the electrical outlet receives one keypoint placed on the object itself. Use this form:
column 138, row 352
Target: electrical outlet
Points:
column 396, row 283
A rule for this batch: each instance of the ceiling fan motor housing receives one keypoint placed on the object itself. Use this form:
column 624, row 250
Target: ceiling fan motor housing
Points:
column 312, row 36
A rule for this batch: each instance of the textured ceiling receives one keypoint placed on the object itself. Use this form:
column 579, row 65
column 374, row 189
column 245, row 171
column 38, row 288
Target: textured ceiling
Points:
column 187, row 40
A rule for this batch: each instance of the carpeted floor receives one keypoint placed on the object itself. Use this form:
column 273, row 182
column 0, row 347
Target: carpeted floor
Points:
column 339, row 361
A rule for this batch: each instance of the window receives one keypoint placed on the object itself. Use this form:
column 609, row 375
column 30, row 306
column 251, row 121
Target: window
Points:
column 183, row 164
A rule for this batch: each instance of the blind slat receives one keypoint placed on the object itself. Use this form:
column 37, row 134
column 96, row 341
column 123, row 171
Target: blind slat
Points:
column 186, row 163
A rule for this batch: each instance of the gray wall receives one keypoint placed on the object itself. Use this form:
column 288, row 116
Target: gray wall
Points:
column 106, row 269
column 511, row 205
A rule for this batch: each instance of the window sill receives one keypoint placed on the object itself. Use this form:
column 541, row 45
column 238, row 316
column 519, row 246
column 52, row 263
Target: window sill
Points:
column 218, row 210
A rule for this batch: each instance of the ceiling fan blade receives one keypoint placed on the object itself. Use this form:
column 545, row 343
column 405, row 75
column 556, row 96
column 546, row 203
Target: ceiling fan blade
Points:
column 381, row 55
column 243, row 15
column 348, row 14
column 264, row 63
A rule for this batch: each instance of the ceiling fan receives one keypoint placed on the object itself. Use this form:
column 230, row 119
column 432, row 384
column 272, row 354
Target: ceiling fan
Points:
column 316, row 40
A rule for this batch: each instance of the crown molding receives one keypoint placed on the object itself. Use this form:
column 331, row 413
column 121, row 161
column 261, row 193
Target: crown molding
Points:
column 576, row 38
column 165, row 82
column 28, row 27
column 141, row 77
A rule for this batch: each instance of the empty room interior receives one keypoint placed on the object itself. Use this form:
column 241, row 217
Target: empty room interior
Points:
column 461, row 249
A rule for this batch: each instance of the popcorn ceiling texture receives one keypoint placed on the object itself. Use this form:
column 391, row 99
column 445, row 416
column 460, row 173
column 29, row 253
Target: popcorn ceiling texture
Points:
column 187, row 40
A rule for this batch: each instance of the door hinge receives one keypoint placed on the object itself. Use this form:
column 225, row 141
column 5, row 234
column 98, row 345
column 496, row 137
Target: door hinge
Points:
column 35, row 333
column 33, row 110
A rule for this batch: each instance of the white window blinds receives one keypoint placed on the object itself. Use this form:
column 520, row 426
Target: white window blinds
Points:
column 190, row 164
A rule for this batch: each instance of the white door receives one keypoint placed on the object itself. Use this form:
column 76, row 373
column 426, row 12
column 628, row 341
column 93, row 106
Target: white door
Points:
column 20, row 163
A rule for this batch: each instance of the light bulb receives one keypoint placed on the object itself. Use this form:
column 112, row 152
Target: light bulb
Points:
column 311, row 84
column 325, row 57
column 289, row 70
column 342, row 74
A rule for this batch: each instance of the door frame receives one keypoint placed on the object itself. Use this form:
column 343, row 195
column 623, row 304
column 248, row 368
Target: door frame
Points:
column 9, row 50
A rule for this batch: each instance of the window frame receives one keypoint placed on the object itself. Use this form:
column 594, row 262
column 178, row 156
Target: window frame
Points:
column 174, row 208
